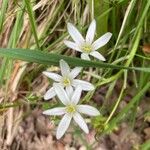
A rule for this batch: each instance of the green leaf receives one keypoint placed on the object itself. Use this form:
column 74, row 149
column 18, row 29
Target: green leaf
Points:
column 53, row 59
column 145, row 145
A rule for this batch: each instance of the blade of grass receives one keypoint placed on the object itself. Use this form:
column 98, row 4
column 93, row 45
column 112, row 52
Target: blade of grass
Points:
column 2, row 13
column 115, row 106
column 32, row 21
column 127, row 14
column 51, row 18
column 145, row 145
column 143, row 79
column 143, row 16
column 126, row 110
column 53, row 59
column 12, row 43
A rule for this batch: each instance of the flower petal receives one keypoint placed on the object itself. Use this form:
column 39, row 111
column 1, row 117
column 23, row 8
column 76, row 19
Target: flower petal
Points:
column 97, row 55
column 80, row 121
column 49, row 94
column 74, row 72
column 62, row 95
column 85, row 56
column 76, row 95
column 102, row 40
column 72, row 45
column 53, row 76
column 75, row 34
column 63, row 126
column 55, row 111
column 91, row 32
column 86, row 86
column 88, row 110
column 69, row 91
column 65, row 69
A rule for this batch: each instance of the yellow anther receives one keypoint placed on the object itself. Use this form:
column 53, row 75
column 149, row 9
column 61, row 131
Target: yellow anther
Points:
column 66, row 81
column 87, row 48
column 70, row 108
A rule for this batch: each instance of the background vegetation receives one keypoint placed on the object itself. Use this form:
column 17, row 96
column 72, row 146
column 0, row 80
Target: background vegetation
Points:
column 32, row 33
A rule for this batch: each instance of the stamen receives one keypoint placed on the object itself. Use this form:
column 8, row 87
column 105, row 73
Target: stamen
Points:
column 66, row 81
column 87, row 48
column 71, row 109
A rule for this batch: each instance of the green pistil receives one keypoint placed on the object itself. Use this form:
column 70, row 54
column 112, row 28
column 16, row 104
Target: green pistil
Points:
column 86, row 48
column 71, row 109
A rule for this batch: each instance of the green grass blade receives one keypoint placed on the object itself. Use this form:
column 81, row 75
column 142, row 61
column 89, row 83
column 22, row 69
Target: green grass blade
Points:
column 32, row 21
column 143, row 15
column 131, row 104
column 2, row 13
column 127, row 14
column 53, row 59
column 145, row 145
column 12, row 41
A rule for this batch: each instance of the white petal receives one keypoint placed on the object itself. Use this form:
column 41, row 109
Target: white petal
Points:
column 102, row 40
column 91, row 32
column 97, row 55
column 55, row 111
column 49, row 94
column 75, row 34
column 85, row 56
column 88, row 110
column 63, row 126
column 62, row 95
column 75, row 72
column 65, row 69
column 86, row 86
column 72, row 45
column 53, row 76
column 80, row 121
column 69, row 91
column 76, row 95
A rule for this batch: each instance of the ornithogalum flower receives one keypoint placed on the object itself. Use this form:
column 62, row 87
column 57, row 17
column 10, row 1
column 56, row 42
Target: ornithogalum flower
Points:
column 66, row 80
column 87, row 46
column 71, row 110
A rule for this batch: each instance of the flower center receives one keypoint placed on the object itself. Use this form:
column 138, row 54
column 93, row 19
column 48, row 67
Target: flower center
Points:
column 66, row 81
column 87, row 48
column 71, row 109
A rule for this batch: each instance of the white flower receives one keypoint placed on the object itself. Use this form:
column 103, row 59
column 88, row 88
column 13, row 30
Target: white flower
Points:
column 87, row 46
column 67, row 80
column 71, row 110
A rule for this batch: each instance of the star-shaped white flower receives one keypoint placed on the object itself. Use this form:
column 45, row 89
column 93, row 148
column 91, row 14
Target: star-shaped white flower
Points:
column 67, row 80
column 87, row 46
column 71, row 110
